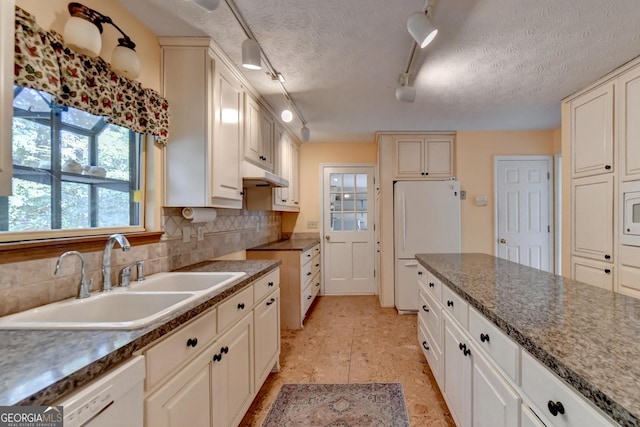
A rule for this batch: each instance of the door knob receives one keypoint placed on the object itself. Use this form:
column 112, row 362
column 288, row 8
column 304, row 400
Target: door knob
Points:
column 327, row 237
column 503, row 240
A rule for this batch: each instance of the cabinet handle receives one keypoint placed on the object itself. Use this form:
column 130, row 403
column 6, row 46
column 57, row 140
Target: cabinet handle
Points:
column 484, row 337
column 450, row 303
column 419, row 273
column 217, row 357
column 317, row 283
column 242, row 193
column 309, row 274
column 270, row 284
column 607, row 167
column 431, row 284
column 241, row 306
column 192, row 342
column 224, row 350
column 555, row 408
column 607, row 257
column 271, row 301
column 466, row 352
column 607, row 271
column 310, row 296
column 317, row 265
column 284, row 200
column 462, row 346
column 424, row 307
column 426, row 173
column 424, row 344
column 308, row 255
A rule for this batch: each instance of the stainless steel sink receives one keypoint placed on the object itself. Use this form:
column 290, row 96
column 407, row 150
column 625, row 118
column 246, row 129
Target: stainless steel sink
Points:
column 186, row 282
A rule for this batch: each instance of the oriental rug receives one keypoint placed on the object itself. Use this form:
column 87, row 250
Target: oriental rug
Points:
column 338, row 405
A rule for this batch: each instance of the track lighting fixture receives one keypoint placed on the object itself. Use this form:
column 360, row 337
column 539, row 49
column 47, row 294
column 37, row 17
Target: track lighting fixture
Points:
column 82, row 32
column 305, row 133
column 251, row 55
column 421, row 28
column 404, row 92
column 287, row 115
column 208, row 5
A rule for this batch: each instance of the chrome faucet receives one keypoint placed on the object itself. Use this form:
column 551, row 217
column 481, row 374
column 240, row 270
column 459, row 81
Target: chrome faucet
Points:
column 106, row 258
column 83, row 287
column 125, row 273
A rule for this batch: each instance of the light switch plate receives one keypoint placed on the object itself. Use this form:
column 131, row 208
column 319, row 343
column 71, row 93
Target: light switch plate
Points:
column 312, row 225
column 186, row 234
column 200, row 233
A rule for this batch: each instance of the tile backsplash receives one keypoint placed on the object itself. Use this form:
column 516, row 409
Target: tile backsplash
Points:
column 29, row 284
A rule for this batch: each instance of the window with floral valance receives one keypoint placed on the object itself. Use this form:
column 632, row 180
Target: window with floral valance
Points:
column 43, row 62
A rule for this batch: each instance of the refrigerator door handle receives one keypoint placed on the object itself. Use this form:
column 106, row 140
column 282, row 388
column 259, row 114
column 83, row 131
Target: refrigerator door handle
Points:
column 404, row 221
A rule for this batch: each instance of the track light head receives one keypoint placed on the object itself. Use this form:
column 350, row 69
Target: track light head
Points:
column 286, row 115
column 251, row 55
column 421, row 28
column 305, row 133
column 405, row 93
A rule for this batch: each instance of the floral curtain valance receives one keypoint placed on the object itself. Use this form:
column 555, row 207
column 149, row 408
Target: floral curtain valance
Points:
column 43, row 62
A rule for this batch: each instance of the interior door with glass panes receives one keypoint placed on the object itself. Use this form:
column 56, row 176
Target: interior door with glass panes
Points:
column 349, row 237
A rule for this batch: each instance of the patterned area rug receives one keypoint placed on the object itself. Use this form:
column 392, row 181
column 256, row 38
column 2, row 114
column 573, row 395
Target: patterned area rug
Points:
column 338, row 405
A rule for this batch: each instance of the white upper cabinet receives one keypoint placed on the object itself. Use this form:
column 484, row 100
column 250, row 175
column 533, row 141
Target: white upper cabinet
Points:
column 592, row 127
column 628, row 97
column 258, row 134
column 6, row 94
column 202, row 158
column 424, row 156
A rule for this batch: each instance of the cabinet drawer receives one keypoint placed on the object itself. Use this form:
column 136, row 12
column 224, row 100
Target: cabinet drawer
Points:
column 596, row 273
column 306, row 256
column 234, row 308
column 266, row 284
column 505, row 352
column 315, row 264
column 546, row 391
column 455, row 305
column 307, row 299
column 431, row 351
column 434, row 286
column 175, row 349
column 315, row 285
column 431, row 314
column 306, row 274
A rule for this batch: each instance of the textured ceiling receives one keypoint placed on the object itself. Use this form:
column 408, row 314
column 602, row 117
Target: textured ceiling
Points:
column 495, row 65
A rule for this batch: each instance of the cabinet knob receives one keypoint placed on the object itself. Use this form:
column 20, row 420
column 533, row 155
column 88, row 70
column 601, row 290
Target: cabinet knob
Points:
column 431, row 284
column 555, row 408
column 426, row 173
column 192, row 342
column 309, row 274
column 608, row 167
column 310, row 296
column 484, row 337
column 607, row 257
column 270, row 284
column 224, row 350
column 271, row 301
column 466, row 352
column 450, row 303
column 424, row 344
column 424, row 307
column 217, row 357
column 241, row 306
column 419, row 273
column 607, row 270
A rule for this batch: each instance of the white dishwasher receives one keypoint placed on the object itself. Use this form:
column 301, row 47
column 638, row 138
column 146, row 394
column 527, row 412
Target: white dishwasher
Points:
column 114, row 399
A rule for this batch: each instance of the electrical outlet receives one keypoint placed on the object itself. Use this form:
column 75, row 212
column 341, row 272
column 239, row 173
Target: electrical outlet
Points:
column 200, row 233
column 186, row 234
column 312, row 225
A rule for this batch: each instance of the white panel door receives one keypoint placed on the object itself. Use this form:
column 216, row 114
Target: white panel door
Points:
column 524, row 212
column 348, row 214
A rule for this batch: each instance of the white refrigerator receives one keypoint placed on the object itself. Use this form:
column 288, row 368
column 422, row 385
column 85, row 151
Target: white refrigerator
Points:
column 426, row 216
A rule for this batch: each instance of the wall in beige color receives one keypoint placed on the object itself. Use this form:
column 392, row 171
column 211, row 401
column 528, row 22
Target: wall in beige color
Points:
column 53, row 14
column 475, row 152
column 311, row 157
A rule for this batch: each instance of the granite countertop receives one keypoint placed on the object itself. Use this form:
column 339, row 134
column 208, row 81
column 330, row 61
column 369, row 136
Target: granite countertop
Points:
column 589, row 336
column 288, row 245
column 38, row 367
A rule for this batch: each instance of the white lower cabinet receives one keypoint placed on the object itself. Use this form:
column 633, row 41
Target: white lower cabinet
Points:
column 486, row 378
column 209, row 377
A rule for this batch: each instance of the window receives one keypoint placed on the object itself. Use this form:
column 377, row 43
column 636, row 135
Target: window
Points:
column 349, row 202
column 71, row 170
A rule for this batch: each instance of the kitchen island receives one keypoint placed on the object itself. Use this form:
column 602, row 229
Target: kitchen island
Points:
column 587, row 336
column 38, row 367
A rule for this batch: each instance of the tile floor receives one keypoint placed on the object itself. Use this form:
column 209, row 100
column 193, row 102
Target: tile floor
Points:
column 351, row 339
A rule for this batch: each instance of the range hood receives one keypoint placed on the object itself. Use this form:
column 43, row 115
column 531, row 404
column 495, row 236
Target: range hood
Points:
column 254, row 176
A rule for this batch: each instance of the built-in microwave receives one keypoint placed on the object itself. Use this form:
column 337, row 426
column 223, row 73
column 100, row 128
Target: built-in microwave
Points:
column 630, row 213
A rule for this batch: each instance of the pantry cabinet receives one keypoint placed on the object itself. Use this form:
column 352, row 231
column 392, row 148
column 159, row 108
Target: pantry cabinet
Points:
column 207, row 372
column 7, row 42
column 202, row 158
column 628, row 105
column 420, row 156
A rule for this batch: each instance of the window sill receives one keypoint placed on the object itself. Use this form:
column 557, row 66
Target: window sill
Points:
column 39, row 249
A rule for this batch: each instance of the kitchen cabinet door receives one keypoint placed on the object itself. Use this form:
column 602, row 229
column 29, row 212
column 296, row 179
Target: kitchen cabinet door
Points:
column 421, row 156
column 592, row 132
column 628, row 97
column 438, row 160
column 457, row 373
column 184, row 400
column 267, row 336
column 592, row 215
column 7, row 13
column 596, row 273
column 267, row 127
column 495, row 403
column 232, row 374
column 409, row 157
column 252, row 138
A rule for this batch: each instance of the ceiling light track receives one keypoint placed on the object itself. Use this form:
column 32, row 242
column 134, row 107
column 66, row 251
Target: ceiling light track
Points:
column 276, row 76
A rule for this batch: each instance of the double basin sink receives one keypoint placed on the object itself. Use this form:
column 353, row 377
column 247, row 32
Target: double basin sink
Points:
column 135, row 306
